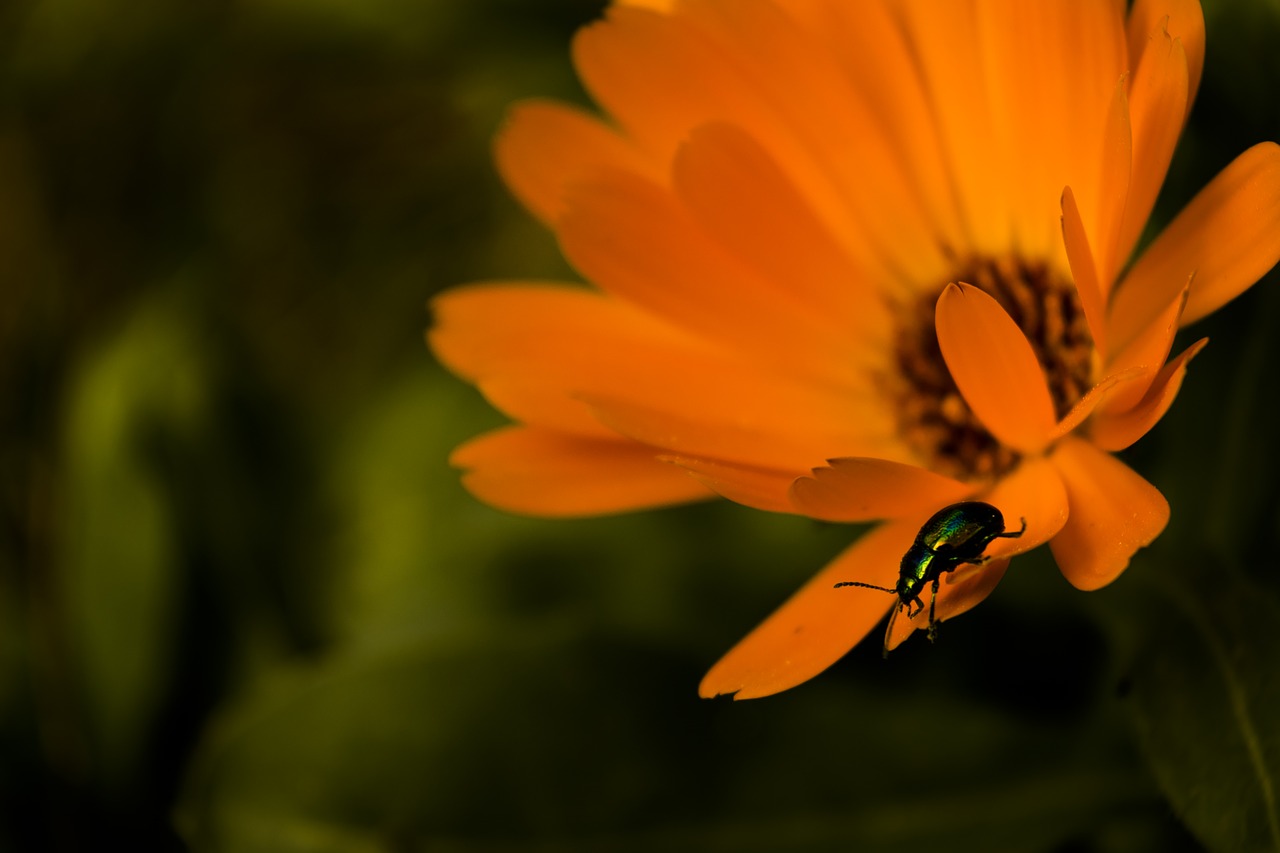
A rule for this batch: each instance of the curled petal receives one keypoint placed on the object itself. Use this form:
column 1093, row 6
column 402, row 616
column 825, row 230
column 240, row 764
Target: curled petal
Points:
column 1112, row 513
column 1118, row 431
column 994, row 367
column 818, row 624
column 760, row 488
column 540, row 472
column 1228, row 237
column 864, row 489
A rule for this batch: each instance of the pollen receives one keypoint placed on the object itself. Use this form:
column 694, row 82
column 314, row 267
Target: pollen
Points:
column 933, row 417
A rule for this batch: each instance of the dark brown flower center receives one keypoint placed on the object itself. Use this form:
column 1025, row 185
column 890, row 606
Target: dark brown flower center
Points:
column 933, row 417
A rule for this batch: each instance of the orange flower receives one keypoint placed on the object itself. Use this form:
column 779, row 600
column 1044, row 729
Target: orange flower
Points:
column 858, row 261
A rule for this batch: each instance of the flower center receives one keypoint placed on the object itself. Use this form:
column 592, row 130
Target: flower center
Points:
column 933, row 417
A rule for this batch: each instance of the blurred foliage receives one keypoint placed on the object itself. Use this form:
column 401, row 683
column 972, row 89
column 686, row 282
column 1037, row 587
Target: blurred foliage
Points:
column 245, row 605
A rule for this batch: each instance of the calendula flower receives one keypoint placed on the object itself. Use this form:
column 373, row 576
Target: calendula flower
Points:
column 858, row 261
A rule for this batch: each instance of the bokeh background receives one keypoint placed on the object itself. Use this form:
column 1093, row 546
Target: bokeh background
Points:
column 245, row 605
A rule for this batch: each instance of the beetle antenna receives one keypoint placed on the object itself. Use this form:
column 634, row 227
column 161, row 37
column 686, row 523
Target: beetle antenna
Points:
column 866, row 585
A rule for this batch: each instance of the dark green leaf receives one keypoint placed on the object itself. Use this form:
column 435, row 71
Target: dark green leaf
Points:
column 1206, row 699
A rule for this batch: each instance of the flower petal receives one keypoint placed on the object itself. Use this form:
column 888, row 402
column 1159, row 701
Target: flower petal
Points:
column 1147, row 353
column 761, row 488
column 1186, row 23
column 737, row 192
column 1084, row 270
column 1228, row 236
column 533, row 471
column 994, row 367
column 1113, row 513
column 544, row 146
column 865, row 489
column 1158, row 103
column 1033, row 491
column 1118, row 431
column 763, row 437
column 818, row 624
column 540, row 351
column 636, row 241
column 1099, row 395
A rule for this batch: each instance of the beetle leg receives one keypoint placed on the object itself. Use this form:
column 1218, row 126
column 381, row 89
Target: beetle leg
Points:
column 933, row 604
column 1021, row 531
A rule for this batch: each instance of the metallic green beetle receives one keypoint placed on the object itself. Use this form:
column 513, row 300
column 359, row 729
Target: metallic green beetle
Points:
column 952, row 536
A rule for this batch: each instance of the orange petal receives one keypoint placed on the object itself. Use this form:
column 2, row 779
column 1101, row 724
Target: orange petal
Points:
column 1186, row 23
column 703, row 77
column 540, row 472
column 765, row 438
column 1158, row 103
column 544, row 146
column 1113, row 513
column 1084, row 270
column 1147, row 353
column 1118, row 431
column 1228, row 236
column 737, row 192
column 818, row 624
column 801, row 85
column 879, row 63
column 760, row 488
column 636, row 241
column 1026, row 55
column 994, row 367
column 864, row 489
column 1099, row 395
column 961, row 596
column 944, row 36
column 539, row 351
column 1033, row 491
column 1115, row 178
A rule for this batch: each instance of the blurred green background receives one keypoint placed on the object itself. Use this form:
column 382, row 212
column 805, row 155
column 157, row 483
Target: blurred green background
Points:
column 245, row 605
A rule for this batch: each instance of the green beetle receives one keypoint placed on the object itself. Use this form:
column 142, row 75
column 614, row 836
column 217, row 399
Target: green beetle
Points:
column 954, row 535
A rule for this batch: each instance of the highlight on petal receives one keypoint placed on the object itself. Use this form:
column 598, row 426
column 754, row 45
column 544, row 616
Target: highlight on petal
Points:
column 1228, row 236
column 866, row 489
column 543, row 147
column 819, row 623
column 540, row 472
column 994, row 367
column 1117, row 431
column 1112, row 513
column 762, row 488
